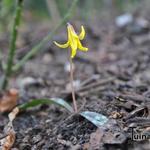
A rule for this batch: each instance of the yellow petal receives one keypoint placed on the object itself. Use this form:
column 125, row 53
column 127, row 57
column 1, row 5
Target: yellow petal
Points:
column 73, row 44
column 81, row 47
column 73, row 53
column 82, row 34
column 72, row 40
column 71, row 30
column 62, row 45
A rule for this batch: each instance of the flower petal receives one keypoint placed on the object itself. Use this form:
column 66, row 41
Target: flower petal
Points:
column 81, row 47
column 72, row 40
column 71, row 30
column 73, row 43
column 82, row 34
column 62, row 45
column 73, row 53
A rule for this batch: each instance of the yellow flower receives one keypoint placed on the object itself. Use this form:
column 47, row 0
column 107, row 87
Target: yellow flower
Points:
column 73, row 40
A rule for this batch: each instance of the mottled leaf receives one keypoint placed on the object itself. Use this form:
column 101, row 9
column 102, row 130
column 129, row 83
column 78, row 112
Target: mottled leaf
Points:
column 97, row 119
column 36, row 102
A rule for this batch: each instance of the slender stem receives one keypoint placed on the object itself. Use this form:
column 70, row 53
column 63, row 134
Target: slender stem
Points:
column 38, row 47
column 12, row 48
column 72, row 86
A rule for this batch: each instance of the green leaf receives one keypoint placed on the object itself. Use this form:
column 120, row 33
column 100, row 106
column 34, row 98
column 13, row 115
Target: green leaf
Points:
column 97, row 119
column 36, row 102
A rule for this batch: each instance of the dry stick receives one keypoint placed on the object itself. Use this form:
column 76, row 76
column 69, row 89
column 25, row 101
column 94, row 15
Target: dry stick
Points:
column 93, row 78
column 98, row 83
column 137, row 97
column 93, row 90
column 134, row 112
column 71, row 81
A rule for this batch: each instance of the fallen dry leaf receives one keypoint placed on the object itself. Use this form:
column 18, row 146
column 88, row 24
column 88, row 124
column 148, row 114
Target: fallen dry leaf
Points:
column 9, row 100
column 7, row 142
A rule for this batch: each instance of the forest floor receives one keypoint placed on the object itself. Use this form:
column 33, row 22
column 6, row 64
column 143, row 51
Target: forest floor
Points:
column 115, row 79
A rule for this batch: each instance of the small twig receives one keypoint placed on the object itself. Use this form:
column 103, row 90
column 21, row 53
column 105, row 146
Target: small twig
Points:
column 94, row 90
column 12, row 49
column 135, row 112
column 98, row 83
column 139, row 121
column 89, row 80
column 138, row 98
column 98, row 86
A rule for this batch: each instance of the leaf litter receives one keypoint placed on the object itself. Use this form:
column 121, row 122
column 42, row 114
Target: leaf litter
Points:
column 7, row 142
column 124, row 60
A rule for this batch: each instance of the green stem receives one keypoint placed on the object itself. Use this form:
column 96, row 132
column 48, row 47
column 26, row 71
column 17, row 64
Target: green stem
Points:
column 12, row 48
column 38, row 47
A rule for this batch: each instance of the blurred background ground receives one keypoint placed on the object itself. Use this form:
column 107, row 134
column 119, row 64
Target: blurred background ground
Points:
column 118, row 38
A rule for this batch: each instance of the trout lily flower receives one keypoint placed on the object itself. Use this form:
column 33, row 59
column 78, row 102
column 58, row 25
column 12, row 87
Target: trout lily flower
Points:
column 74, row 40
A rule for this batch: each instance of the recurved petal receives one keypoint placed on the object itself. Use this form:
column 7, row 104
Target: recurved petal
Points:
column 73, row 53
column 62, row 45
column 82, row 34
column 81, row 47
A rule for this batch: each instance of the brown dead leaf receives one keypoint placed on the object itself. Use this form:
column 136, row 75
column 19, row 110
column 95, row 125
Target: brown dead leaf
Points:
column 7, row 142
column 9, row 100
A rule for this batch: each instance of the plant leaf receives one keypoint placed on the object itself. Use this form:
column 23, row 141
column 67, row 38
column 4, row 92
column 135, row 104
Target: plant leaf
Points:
column 97, row 119
column 36, row 102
